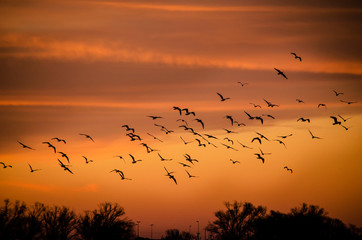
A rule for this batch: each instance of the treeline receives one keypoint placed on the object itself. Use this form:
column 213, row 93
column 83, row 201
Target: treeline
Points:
column 239, row 221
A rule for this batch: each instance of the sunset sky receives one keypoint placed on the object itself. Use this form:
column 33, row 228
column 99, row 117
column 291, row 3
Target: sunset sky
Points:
column 70, row 67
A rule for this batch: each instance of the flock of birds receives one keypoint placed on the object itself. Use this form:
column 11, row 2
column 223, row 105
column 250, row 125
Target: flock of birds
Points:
column 200, row 138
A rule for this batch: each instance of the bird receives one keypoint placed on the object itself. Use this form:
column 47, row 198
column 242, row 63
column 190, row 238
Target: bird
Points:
column 244, row 146
column 285, row 136
column 121, row 174
column 184, row 141
column 262, row 136
column 59, row 140
column 228, row 131
column 64, row 155
column 268, row 115
column 348, row 102
column 5, row 166
column 255, row 105
column 313, row 137
column 346, row 128
column 164, row 159
column 187, row 112
column 116, row 171
column 33, row 170
column 229, row 147
column 189, row 159
column 280, row 73
column 229, row 140
column 299, row 101
column 280, row 141
column 154, row 117
column 166, row 130
column 263, row 153
column 51, row 146
column 337, row 93
column 210, row 136
column 169, row 174
column 270, row 104
column 154, row 137
column 335, row 121
column 230, row 118
column 128, row 128
column 190, row 176
column 133, row 159
column 177, row 109
column 65, row 167
column 234, row 161
column 120, row 157
column 322, row 105
column 24, row 146
column 259, row 157
column 87, row 136
column 182, row 120
column 200, row 144
column 303, row 120
column 184, row 165
column 222, row 98
column 259, row 118
column 250, row 117
column 201, row 122
column 86, row 160
column 344, row 119
column 289, row 169
column 243, row 84
column 296, row 57
column 256, row 139
column 239, row 124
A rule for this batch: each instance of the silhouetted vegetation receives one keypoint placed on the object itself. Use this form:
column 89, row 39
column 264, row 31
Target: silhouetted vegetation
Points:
column 245, row 221
column 240, row 221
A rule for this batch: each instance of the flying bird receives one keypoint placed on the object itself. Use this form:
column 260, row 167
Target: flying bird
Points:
column 86, row 160
column 262, row 136
column 296, row 57
column 239, row 124
column 51, row 146
column 200, row 121
column 259, row 157
column 228, row 131
column 24, row 146
column 280, row 73
column 169, row 174
column 303, row 120
column 259, row 118
column 65, row 167
column 335, row 121
column 164, row 159
column 280, row 141
column 190, row 176
column 268, row 115
column 184, row 165
column 230, row 118
column 87, row 136
column 244, row 146
column 243, row 84
column 59, row 140
column 299, row 101
column 182, row 120
column 285, row 136
column 263, row 153
column 128, row 128
column 337, row 93
column 344, row 119
column 200, row 144
column 229, row 140
column 177, row 109
column 250, row 117
column 210, row 136
column 189, row 159
column 234, row 161
column 33, row 170
column 348, row 102
column 255, row 105
column 120, row 157
column 184, row 141
column 270, row 104
column 5, row 166
column 154, row 117
column 222, row 98
column 64, row 155
column 289, row 169
column 322, row 105
column 154, row 137
column 229, row 147
column 256, row 139
column 313, row 137
column 133, row 159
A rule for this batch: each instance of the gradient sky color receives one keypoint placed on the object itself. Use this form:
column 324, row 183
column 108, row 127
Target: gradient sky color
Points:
column 70, row 67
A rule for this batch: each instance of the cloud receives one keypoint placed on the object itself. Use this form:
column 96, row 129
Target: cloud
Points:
column 31, row 186
column 87, row 188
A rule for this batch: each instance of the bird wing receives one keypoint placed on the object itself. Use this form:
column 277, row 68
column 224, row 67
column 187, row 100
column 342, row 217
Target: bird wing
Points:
column 220, row 95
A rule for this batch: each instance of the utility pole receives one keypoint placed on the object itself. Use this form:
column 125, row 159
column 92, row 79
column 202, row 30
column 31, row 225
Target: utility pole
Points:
column 151, row 229
column 138, row 228
column 198, row 230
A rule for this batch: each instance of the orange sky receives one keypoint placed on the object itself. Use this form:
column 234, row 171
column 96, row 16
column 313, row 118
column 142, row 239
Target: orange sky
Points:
column 91, row 66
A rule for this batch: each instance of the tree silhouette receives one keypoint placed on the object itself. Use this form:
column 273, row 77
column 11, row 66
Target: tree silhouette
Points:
column 174, row 234
column 237, row 222
column 105, row 223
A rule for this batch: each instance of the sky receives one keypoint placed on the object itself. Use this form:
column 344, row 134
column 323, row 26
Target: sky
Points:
column 70, row 67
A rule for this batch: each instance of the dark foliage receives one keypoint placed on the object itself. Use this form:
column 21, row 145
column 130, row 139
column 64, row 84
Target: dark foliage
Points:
column 175, row 234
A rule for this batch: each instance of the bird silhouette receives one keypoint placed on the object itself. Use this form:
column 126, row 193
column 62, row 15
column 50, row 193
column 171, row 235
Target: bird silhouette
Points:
column 188, row 112
column 65, row 156
column 346, row 128
column 189, row 159
column 169, row 174
column 313, row 137
column 259, row 118
column 280, row 73
column 289, row 169
column 256, row 139
column 154, row 117
column 335, row 121
column 51, row 146
column 222, row 98
column 296, row 57
column 154, row 137
column 210, row 136
column 268, row 115
column 200, row 121
column 230, row 118
column 262, row 136
column 337, row 93
column 239, row 124
column 6, row 166
column 32, row 170
column 86, row 160
column 200, row 144
column 65, row 167
column 184, row 165
column 303, row 120
column 259, row 157
column 243, row 84
column 234, row 161
column 190, row 176
column 285, row 136
column 59, row 140
column 270, row 104
column 164, row 159
column 182, row 120
column 229, row 147
column 120, row 157
column 348, row 102
column 128, row 128
column 184, row 141
column 263, row 153
column 87, row 136
column 322, row 105
column 177, row 109
column 299, row 101
column 250, row 117
column 344, row 119
column 228, row 131
column 229, row 140
column 280, row 141
column 25, row 146
column 244, row 146
column 255, row 105
column 133, row 159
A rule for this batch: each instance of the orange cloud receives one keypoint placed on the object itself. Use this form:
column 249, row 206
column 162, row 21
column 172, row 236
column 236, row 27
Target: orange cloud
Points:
column 38, row 187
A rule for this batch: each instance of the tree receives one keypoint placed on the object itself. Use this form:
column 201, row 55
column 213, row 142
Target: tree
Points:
column 175, row 234
column 237, row 222
column 105, row 223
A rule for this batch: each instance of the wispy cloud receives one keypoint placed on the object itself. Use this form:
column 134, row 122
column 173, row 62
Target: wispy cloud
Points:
column 31, row 186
